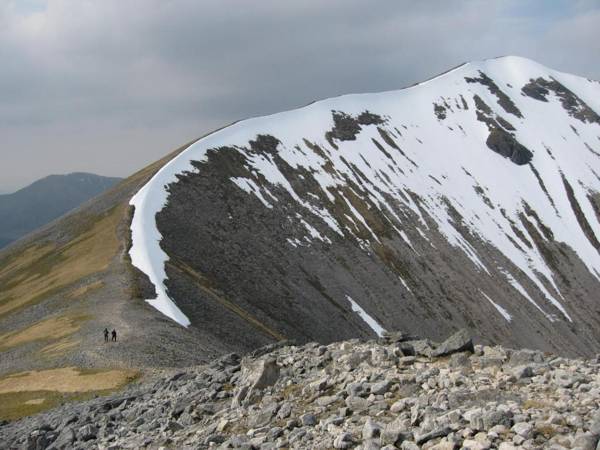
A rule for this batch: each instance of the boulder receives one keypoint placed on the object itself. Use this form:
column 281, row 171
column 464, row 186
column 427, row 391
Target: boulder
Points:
column 371, row 429
column 64, row 440
column 381, row 387
column 255, row 377
column 521, row 357
column 436, row 433
column 308, row 420
column 521, row 372
column 459, row 342
column 88, row 432
column 343, row 440
column 396, row 432
column 586, row 441
column 523, row 429
column 421, row 347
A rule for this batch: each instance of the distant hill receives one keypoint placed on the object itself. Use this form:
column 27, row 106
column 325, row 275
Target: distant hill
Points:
column 45, row 200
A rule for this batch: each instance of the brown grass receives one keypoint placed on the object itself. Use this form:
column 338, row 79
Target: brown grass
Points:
column 27, row 393
column 534, row 404
column 39, row 272
column 59, row 348
column 54, row 328
column 17, row 404
column 291, row 390
column 547, row 430
column 65, row 380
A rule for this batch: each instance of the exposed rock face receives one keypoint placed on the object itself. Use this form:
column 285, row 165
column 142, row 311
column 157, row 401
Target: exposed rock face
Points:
column 540, row 88
column 431, row 209
column 307, row 397
column 506, row 145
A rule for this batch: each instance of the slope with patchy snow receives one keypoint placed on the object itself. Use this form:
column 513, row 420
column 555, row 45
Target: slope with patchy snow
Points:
column 500, row 158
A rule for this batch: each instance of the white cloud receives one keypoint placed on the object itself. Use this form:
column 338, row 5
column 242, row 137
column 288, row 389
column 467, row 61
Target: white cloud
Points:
column 158, row 72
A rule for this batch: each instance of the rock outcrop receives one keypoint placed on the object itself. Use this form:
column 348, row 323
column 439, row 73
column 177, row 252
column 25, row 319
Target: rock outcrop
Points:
column 398, row 392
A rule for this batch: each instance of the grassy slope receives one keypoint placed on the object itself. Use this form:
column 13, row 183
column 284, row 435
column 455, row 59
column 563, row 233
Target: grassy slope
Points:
column 46, row 282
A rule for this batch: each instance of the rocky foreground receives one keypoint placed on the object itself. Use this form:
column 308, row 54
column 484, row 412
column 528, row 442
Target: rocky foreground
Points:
column 396, row 392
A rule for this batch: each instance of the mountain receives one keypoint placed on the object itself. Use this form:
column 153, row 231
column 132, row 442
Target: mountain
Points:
column 44, row 200
column 469, row 200
column 466, row 201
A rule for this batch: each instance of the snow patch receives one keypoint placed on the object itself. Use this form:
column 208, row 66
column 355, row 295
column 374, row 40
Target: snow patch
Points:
column 504, row 313
column 373, row 324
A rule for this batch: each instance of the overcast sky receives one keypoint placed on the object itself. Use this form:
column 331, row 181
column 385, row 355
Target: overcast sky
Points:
column 107, row 86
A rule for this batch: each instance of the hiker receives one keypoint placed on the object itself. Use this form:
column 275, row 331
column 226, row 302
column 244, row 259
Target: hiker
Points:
column 114, row 335
column 105, row 335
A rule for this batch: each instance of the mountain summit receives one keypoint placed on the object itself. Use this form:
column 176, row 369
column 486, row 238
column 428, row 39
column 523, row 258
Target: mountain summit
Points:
column 469, row 200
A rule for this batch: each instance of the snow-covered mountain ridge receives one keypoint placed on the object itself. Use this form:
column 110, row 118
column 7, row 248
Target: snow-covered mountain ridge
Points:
column 469, row 199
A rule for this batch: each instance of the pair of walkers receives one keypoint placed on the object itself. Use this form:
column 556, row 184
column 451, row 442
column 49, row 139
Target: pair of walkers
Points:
column 113, row 335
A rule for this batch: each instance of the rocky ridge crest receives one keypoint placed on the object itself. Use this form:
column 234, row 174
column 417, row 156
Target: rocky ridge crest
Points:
column 399, row 391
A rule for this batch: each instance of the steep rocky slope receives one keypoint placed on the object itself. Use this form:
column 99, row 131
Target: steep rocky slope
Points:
column 470, row 200
column 45, row 200
column 396, row 392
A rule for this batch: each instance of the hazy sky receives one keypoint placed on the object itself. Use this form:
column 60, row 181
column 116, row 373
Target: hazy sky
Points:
column 108, row 86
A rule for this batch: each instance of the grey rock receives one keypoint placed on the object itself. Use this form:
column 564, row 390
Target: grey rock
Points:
column 439, row 432
column 284, row 411
column 520, row 372
column 406, row 360
column 521, row 357
column 274, row 433
column 487, row 361
column 256, row 376
column 523, row 429
column 460, row 359
column 37, row 440
column 343, row 440
column 459, row 342
column 356, row 389
column 498, row 417
column 399, row 405
column 421, row 347
column 64, row 440
column 564, row 378
column 327, row 400
column 396, row 431
column 371, row 429
column 586, row 441
column 381, row 387
column 353, row 360
column 409, row 445
column 357, row 403
column 214, row 438
column 87, row 432
column 264, row 416
column 308, row 419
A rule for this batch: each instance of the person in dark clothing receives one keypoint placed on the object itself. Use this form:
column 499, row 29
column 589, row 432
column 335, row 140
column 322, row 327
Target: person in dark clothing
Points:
column 106, row 335
column 114, row 335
